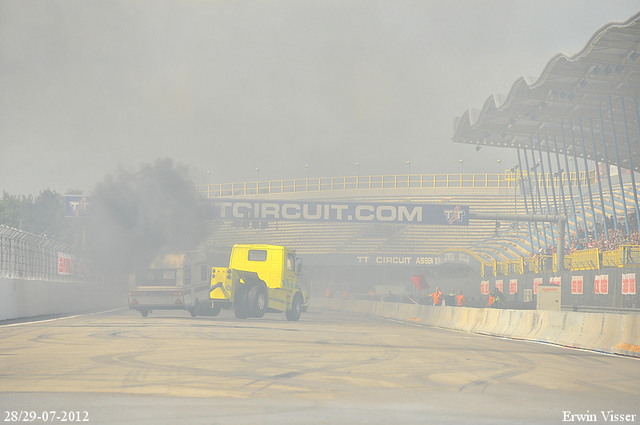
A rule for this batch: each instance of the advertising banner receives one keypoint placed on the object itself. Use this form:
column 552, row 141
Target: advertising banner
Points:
column 536, row 282
column 601, row 284
column 484, row 287
column 499, row 285
column 342, row 212
column 629, row 284
column 66, row 263
column 513, row 286
column 576, row 285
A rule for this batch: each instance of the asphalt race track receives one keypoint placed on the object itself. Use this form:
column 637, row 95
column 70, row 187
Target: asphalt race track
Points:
column 328, row 368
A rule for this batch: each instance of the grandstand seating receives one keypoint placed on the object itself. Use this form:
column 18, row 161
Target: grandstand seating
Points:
column 506, row 243
column 321, row 238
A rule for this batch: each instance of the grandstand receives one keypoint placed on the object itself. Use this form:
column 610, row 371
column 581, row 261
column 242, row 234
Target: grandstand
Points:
column 341, row 244
column 583, row 110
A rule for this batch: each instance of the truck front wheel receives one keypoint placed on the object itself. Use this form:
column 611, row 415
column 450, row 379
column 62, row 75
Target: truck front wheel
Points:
column 296, row 308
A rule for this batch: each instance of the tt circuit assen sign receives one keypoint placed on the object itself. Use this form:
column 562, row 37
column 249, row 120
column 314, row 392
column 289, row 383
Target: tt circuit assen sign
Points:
column 78, row 206
column 358, row 212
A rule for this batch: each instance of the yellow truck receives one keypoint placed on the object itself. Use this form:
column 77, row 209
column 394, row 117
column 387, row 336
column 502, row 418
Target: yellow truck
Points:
column 259, row 279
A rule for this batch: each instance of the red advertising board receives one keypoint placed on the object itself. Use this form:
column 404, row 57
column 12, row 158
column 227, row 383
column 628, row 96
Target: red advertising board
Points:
column 537, row 281
column 66, row 263
column 513, row 286
column 576, row 284
column 484, row 287
column 499, row 285
column 629, row 284
column 601, row 284
column 556, row 280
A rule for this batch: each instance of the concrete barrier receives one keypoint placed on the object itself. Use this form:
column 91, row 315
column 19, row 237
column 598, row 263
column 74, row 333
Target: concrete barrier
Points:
column 591, row 332
column 612, row 331
column 503, row 322
column 573, row 328
column 554, row 325
column 486, row 321
column 609, row 333
column 29, row 298
column 516, row 319
column 537, row 325
column 629, row 344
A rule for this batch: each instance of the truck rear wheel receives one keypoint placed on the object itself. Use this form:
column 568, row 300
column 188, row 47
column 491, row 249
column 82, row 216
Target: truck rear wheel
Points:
column 144, row 313
column 215, row 310
column 240, row 307
column 296, row 308
column 258, row 300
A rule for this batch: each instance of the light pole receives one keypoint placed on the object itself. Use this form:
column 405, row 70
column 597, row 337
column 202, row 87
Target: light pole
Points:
column 569, row 172
column 461, row 166
column 258, row 173
column 307, row 167
column 514, row 179
column 208, row 180
column 499, row 171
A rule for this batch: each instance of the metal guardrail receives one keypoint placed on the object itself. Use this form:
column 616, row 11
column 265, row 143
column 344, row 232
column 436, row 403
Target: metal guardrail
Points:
column 507, row 179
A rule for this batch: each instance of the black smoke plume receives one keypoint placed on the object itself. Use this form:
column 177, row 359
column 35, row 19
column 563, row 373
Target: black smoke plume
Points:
column 139, row 214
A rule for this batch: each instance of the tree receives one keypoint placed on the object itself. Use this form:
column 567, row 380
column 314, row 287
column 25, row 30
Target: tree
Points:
column 16, row 211
column 42, row 215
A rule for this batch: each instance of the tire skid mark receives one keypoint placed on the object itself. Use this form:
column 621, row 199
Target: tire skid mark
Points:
column 388, row 353
column 522, row 365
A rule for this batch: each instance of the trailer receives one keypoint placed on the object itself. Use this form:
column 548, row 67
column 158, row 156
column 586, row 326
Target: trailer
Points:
column 172, row 281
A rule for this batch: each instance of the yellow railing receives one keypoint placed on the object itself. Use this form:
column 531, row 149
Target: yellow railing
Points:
column 613, row 258
column 557, row 180
column 487, row 269
column 507, row 179
column 624, row 256
column 510, row 267
column 588, row 259
column 539, row 263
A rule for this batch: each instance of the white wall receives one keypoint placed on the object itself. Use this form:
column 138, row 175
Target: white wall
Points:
column 28, row 298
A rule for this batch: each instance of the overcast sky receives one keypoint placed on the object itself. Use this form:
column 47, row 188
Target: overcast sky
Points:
column 231, row 86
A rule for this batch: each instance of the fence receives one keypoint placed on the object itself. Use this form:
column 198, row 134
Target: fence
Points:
column 507, row 179
column 587, row 259
column 24, row 255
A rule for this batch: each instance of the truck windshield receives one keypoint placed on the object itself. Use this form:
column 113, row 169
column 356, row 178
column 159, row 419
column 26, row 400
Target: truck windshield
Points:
column 257, row 255
column 158, row 277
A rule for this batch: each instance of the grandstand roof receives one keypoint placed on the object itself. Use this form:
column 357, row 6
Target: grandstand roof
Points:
column 573, row 100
